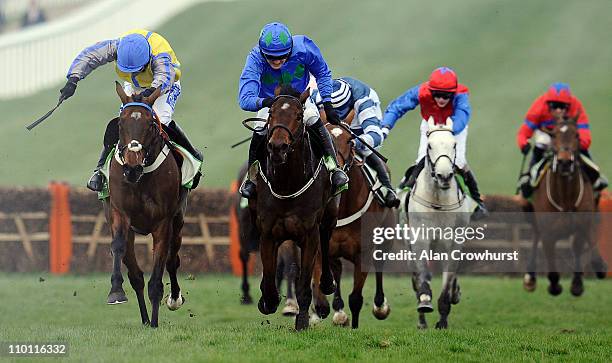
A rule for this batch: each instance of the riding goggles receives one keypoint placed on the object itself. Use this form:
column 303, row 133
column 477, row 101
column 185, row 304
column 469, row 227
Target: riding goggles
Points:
column 442, row 95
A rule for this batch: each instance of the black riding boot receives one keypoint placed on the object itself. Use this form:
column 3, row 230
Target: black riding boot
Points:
column 339, row 178
column 96, row 181
column 248, row 189
column 525, row 180
column 411, row 175
column 598, row 181
column 470, row 181
column 177, row 135
column 377, row 164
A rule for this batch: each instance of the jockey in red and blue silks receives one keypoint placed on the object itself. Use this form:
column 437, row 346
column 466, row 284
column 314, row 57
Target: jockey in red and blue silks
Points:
column 280, row 58
column 350, row 94
column 557, row 101
column 441, row 97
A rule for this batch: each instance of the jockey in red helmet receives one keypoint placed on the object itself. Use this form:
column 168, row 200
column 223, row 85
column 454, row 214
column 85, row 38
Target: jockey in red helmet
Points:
column 557, row 101
column 441, row 97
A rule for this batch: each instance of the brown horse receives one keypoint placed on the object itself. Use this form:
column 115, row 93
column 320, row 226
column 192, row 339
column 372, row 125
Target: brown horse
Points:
column 249, row 242
column 145, row 197
column 294, row 202
column 564, row 205
column 346, row 238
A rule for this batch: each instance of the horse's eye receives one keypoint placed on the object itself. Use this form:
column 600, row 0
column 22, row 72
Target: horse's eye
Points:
column 429, row 146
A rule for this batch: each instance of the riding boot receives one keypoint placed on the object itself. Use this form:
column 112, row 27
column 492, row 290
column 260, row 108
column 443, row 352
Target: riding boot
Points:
column 248, row 189
column 598, row 181
column 411, row 175
column 178, row 136
column 96, row 181
column 391, row 200
column 339, row 179
column 470, row 181
column 525, row 179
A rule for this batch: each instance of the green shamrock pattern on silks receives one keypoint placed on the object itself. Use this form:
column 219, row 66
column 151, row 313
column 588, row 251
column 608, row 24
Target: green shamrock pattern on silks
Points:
column 285, row 76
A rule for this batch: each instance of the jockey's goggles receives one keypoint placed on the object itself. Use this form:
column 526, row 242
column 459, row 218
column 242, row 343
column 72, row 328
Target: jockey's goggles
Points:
column 275, row 58
column 442, row 95
column 561, row 105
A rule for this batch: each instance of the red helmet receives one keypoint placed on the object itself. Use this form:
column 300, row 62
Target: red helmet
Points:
column 559, row 92
column 443, row 79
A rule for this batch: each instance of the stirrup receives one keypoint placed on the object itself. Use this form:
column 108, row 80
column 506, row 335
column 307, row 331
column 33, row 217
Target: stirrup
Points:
column 248, row 189
column 391, row 199
column 339, row 185
column 96, row 181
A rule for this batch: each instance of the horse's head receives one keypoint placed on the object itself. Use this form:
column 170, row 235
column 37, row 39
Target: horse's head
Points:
column 344, row 145
column 285, row 123
column 565, row 145
column 137, row 131
column 441, row 149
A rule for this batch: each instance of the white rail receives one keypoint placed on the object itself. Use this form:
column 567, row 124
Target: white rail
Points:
column 14, row 8
column 39, row 57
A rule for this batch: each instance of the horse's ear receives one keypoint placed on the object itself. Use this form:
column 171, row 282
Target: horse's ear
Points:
column 122, row 95
column 304, row 96
column 277, row 91
column 151, row 99
column 431, row 123
column 449, row 123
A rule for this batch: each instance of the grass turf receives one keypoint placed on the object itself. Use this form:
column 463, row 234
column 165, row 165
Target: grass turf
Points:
column 506, row 52
column 495, row 321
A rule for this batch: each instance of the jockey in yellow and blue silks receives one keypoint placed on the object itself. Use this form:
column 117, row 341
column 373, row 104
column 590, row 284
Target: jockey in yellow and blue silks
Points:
column 144, row 61
column 351, row 94
column 280, row 58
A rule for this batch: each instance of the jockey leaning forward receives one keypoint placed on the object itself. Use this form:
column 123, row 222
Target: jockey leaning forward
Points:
column 441, row 97
column 558, row 101
column 351, row 94
column 144, row 61
column 280, row 58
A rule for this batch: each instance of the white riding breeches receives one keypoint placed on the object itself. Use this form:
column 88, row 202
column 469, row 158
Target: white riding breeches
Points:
column 164, row 104
column 461, row 139
column 311, row 114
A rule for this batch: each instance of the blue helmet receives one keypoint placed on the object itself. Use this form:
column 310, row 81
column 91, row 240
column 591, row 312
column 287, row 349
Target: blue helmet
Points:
column 133, row 53
column 275, row 40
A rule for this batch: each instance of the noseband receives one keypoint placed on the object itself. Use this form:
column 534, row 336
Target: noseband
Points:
column 135, row 145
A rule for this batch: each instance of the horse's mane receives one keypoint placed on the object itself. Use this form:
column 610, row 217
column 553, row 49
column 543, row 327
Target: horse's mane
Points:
column 137, row 97
column 286, row 89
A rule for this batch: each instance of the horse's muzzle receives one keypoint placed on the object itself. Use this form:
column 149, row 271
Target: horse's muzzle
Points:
column 132, row 173
column 278, row 152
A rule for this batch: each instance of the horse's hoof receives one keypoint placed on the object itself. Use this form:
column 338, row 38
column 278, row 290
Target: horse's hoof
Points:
column 327, row 288
column 301, row 322
column 264, row 308
column 555, row 290
column 322, row 310
column 381, row 312
column 425, row 305
column 291, row 308
column 175, row 304
column 442, row 325
column 340, row 318
column 315, row 319
column 422, row 326
column 456, row 296
column 529, row 283
column 116, row 298
column 601, row 268
column 246, row 300
column 577, row 289
column 601, row 274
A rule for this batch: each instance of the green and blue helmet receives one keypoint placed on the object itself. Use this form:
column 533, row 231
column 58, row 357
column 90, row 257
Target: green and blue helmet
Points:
column 275, row 40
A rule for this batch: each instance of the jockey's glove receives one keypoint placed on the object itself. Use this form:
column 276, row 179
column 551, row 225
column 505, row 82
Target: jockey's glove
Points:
column 385, row 131
column 525, row 149
column 330, row 113
column 267, row 102
column 68, row 90
column 149, row 91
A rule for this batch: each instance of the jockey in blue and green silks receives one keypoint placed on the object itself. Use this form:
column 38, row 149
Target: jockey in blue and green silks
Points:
column 280, row 58
column 144, row 61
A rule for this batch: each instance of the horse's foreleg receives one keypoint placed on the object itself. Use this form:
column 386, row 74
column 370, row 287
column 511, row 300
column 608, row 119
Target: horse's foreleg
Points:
column 176, row 299
column 327, row 285
column 309, row 249
column 529, row 280
column 444, row 301
column 268, row 303
column 136, row 277
column 422, row 277
column 340, row 317
column 381, row 308
column 356, row 296
column 244, row 260
column 161, row 238
column 321, row 305
column 553, row 275
column 119, row 229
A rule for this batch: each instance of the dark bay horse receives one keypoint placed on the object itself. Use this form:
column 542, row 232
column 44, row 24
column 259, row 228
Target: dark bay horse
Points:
column 346, row 238
column 294, row 202
column 146, row 197
column 564, row 207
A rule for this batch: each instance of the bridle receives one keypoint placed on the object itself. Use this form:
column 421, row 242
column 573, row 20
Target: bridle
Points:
column 573, row 154
column 433, row 163
column 293, row 138
column 135, row 145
